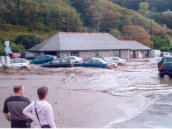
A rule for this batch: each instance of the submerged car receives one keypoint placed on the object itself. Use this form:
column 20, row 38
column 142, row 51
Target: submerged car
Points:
column 164, row 59
column 95, row 62
column 74, row 59
column 15, row 55
column 28, row 55
column 42, row 59
column 58, row 63
column 18, row 62
column 165, row 70
column 117, row 60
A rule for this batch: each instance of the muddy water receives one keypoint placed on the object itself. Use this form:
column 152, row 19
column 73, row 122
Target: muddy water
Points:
column 129, row 96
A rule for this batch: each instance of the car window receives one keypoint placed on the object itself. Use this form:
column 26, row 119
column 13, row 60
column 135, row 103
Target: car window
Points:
column 115, row 58
column 72, row 58
column 64, row 61
column 167, row 60
column 18, row 61
column 88, row 62
column 37, row 58
column 95, row 62
column 56, row 61
column 11, row 61
column 17, row 54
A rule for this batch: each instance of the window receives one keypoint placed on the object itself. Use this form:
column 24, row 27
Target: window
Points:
column 75, row 53
column 117, row 53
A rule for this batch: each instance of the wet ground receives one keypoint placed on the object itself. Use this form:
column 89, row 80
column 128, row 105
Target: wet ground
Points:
column 130, row 96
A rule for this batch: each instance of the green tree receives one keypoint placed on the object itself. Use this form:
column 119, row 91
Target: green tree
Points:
column 160, row 42
column 116, row 33
column 143, row 7
column 27, row 41
column 17, row 48
column 137, row 33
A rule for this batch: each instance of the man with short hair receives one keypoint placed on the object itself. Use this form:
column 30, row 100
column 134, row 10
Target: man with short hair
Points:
column 14, row 106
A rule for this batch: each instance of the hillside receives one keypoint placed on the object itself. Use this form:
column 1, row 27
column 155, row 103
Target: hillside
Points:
column 43, row 18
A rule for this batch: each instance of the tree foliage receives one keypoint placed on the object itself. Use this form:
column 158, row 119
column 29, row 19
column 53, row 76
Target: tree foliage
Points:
column 27, row 41
column 137, row 33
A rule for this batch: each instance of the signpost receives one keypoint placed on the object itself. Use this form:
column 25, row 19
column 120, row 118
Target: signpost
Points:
column 7, row 48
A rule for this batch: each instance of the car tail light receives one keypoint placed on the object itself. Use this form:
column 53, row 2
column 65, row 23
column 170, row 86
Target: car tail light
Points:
column 160, row 68
column 107, row 66
column 71, row 64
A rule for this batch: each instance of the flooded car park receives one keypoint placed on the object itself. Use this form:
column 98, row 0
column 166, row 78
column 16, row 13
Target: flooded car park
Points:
column 129, row 96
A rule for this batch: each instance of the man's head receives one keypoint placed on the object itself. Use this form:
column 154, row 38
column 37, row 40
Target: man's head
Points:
column 42, row 92
column 18, row 89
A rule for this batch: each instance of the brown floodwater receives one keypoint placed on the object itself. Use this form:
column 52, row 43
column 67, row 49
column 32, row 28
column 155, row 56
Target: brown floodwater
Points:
column 127, row 96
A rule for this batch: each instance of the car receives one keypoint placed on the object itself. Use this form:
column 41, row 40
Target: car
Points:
column 42, row 59
column 167, row 54
column 18, row 62
column 117, row 60
column 165, row 70
column 74, row 59
column 94, row 62
column 15, row 55
column 28, row 55
column 164, row 59
column 58, row 63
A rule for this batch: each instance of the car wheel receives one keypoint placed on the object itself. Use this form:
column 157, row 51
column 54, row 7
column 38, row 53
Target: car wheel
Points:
column 166, row 77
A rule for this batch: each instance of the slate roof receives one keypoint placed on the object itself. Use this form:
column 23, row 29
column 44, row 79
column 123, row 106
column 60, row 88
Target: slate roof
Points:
column 73, row 41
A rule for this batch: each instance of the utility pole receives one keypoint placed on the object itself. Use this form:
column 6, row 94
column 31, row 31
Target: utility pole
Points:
column 151, row 27
column 97, row 20
column 97, row 17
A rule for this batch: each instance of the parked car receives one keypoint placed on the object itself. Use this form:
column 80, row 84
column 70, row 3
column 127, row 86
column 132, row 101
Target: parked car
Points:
column 167, row 54
column 18, row 62
column 15, row 55
column 28, row 55
column 58, row 63
column 164, row 59
column 74, row 59
column 117, row 60
column 165, row 70
column 94, row 62
column 42, row 59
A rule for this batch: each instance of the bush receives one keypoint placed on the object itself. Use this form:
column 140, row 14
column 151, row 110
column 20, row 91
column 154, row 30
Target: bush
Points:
column 17, row 48
column 27, row 41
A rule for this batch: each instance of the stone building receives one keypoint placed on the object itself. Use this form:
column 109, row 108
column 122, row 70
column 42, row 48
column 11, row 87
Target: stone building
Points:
column 88, row 45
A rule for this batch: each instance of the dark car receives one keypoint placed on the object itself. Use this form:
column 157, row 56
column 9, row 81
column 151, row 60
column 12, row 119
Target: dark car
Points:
column 28, row 55
column 164, row 59
column 94, row 62
column 42, row 59
column 15, row 55
column 165, row 70
column 58, row 63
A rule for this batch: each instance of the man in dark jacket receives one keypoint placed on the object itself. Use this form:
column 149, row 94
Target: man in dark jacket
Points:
column 13, row 108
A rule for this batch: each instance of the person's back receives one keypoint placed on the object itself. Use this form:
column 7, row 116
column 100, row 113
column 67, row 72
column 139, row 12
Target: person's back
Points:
column 14, row 106
column 42, row 113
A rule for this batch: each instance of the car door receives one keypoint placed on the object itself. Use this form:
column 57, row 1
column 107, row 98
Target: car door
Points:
column 88, row 63
column 19, row 63
column 56, row 63
column 95, row 63
column 65, row 63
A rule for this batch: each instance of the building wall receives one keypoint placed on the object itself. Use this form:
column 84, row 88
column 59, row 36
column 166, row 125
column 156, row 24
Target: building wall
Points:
column 139, row 53
column 88, row 54
column 124, row 54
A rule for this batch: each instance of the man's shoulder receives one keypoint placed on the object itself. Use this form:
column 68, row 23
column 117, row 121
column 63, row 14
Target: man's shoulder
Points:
column 17, row 98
